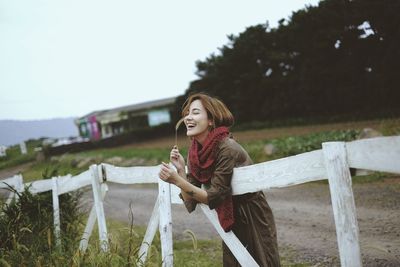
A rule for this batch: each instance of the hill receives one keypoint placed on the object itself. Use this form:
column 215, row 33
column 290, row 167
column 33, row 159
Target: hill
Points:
column 15, row 131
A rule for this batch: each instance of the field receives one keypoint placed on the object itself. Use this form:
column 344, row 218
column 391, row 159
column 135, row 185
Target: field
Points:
column 306, row 232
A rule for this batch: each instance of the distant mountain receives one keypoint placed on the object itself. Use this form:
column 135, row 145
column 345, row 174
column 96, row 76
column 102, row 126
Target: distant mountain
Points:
column 14, row 131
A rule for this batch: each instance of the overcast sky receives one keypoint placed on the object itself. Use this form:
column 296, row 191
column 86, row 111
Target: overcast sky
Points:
column 63, row 58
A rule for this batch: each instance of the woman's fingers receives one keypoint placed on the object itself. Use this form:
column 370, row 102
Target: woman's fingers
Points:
column 164, row 169
column 166, row 165
column 174, row 154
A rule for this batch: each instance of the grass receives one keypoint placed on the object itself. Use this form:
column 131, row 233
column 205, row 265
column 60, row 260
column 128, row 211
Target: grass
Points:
column 374, row 177
column 124, row 243
column 125, row 239
column 187, row 252
column 129, row 156
column 64, row 167
column 14, row 156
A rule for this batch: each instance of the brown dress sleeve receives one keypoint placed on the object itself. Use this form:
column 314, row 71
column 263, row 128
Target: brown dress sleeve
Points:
column 219, row 187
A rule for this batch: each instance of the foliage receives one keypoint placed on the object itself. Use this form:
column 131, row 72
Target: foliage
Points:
column 294, row 145
column 390, row 127
column 27, row 232
column 63, row 167
column 14, row 157
column 335, row 59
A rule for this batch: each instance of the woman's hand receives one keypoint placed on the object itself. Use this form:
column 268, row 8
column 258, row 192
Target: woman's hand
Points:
column 189, row 191
column 168, row 174
column 177, row 159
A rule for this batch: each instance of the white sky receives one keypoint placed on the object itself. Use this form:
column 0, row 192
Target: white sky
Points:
column 63, row 58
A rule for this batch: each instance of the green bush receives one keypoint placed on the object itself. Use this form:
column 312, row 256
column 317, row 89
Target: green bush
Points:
column 27, row 231
column 14, row 157
column 295, row 145
column 289, row 146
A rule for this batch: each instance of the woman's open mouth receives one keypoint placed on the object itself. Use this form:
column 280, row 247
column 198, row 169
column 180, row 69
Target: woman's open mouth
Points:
column 190, row 126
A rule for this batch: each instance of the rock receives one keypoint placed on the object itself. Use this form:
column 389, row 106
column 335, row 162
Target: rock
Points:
column 369, row 133
column 269, row 149
column 134, row 162
column 74, row 163
column 86, row 162
column 114, row 160
column 40, row 156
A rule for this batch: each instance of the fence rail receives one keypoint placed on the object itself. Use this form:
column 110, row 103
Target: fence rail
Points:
column 332, row 162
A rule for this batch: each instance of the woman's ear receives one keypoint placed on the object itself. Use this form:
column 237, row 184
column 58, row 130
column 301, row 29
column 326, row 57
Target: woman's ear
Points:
column 211, row 125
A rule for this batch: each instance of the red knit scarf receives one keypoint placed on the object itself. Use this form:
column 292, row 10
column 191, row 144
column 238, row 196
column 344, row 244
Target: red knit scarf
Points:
column 202, row 167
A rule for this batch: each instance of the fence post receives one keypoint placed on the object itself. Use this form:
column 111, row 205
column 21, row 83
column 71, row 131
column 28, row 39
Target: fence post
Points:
column 18, row 187
column 150, row 233
column 56, row 211
column 241, row 254
column 98, row 203
column 19, row 184
column 164, row 198
column 343, row 205
column 91, row 221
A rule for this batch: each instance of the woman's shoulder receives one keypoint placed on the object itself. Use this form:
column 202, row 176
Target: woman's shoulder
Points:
column 229, row 143
column 229, row 147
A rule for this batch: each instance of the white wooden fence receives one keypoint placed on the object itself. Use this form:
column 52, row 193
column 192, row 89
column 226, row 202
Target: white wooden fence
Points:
column 332, row 163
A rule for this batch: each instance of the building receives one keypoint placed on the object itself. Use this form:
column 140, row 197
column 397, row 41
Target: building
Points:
column 106, row 123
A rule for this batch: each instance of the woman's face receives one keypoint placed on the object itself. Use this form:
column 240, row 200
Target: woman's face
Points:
column 197, row 122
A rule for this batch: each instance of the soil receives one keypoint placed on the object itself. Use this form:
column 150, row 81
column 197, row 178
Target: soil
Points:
column 9, row 172
column 303, row 216
column 303, row 213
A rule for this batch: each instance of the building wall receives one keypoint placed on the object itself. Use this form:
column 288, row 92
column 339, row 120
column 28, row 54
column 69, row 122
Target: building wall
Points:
column 104, row 124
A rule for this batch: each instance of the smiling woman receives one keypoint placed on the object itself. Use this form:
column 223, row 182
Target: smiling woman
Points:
column 212, row 157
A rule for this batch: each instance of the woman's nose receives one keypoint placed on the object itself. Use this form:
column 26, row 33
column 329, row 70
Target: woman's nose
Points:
column 188, row 117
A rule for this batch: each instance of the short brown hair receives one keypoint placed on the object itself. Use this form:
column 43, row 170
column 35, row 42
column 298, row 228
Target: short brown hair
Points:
column 217, row 111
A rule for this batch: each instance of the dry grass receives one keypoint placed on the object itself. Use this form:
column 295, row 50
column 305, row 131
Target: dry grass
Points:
column 384, row 126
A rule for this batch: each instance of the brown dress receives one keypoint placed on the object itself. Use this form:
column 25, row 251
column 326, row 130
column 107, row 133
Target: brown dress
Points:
column 254, row 222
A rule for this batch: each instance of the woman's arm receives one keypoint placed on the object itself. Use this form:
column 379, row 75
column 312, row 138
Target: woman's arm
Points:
column 189, row 191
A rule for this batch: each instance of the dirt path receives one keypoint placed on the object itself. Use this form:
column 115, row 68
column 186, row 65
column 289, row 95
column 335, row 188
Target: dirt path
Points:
column 9, row 172
column 303, row 214
column 304, row 218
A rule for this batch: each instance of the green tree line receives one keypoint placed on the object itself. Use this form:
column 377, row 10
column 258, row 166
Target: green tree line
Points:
column 338, row 58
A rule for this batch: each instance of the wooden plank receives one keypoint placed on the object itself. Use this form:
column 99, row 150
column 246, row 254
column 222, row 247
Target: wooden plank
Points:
column 56, row 212
column 164, row 199
column 131, row 175
column 175, row 191
column 91, row 221
column 16, row 182
column 230, row 239
column 343, row 205
column 378, row 154
column 71, row 183
column 19, row 183
column 11, row 181
column 83, row 244
column 284, row 172
column 40, row 186
column 98, row 203
column 149, row 235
